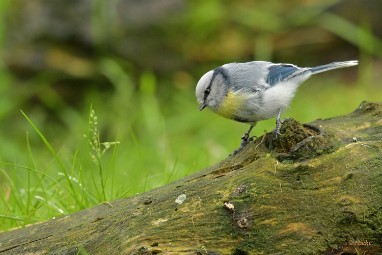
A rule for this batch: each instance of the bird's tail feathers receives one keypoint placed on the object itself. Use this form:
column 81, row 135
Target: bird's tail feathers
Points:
column 334, row 65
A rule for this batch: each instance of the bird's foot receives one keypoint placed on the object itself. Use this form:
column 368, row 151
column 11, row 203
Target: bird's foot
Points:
column 245, row 140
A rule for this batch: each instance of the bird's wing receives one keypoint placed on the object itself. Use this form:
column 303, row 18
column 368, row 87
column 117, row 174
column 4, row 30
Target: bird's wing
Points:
column 281, row 72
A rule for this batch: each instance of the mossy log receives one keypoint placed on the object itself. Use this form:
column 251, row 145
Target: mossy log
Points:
column 315, row 190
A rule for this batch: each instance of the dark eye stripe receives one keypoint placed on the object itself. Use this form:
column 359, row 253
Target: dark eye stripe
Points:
column 206, row 93
column 219, row 70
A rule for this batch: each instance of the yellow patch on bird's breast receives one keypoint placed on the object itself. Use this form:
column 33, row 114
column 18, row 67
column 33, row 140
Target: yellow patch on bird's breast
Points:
column 230, row 105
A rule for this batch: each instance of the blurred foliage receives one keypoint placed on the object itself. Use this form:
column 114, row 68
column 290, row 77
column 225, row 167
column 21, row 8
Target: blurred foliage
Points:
column 136, row 63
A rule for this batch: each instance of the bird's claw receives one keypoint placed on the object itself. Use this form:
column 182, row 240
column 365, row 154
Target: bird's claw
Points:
column 244, row 137
column 245, row 140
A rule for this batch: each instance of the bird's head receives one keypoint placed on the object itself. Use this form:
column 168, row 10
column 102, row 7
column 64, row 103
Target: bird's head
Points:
column 212, row 88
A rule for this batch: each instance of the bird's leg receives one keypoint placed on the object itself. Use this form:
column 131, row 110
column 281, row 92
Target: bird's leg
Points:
column 245, row 139
column 279, row 123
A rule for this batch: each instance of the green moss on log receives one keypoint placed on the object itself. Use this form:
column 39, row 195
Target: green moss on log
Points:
column 316, row 190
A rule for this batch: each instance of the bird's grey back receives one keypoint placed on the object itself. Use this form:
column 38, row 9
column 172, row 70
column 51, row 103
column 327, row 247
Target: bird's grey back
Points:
column 260, row 75
column 247, row 76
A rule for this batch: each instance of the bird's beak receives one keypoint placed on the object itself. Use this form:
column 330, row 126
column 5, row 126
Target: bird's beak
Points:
column 202, row 106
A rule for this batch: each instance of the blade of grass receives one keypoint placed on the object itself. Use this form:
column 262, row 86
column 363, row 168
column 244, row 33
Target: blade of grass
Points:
column 95, row 147
column 56, row 157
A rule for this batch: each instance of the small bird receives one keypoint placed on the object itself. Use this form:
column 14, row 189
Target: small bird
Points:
column 253, row 91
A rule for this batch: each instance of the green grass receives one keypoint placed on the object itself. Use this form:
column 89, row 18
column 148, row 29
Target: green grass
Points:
column 146, row 132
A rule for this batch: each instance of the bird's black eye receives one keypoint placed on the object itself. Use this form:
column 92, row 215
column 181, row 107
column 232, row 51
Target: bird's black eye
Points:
column 207, row 91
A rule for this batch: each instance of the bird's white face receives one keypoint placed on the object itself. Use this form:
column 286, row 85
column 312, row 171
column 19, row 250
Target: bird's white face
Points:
column 201, row 89
column 210, row 93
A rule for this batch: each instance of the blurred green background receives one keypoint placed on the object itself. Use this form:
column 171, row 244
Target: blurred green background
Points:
column 89, row 72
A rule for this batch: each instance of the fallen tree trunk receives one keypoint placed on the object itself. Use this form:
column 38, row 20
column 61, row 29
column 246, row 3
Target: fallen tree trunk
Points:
column 316, row 190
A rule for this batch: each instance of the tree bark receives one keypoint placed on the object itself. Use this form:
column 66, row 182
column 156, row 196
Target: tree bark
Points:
column 315, row 190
